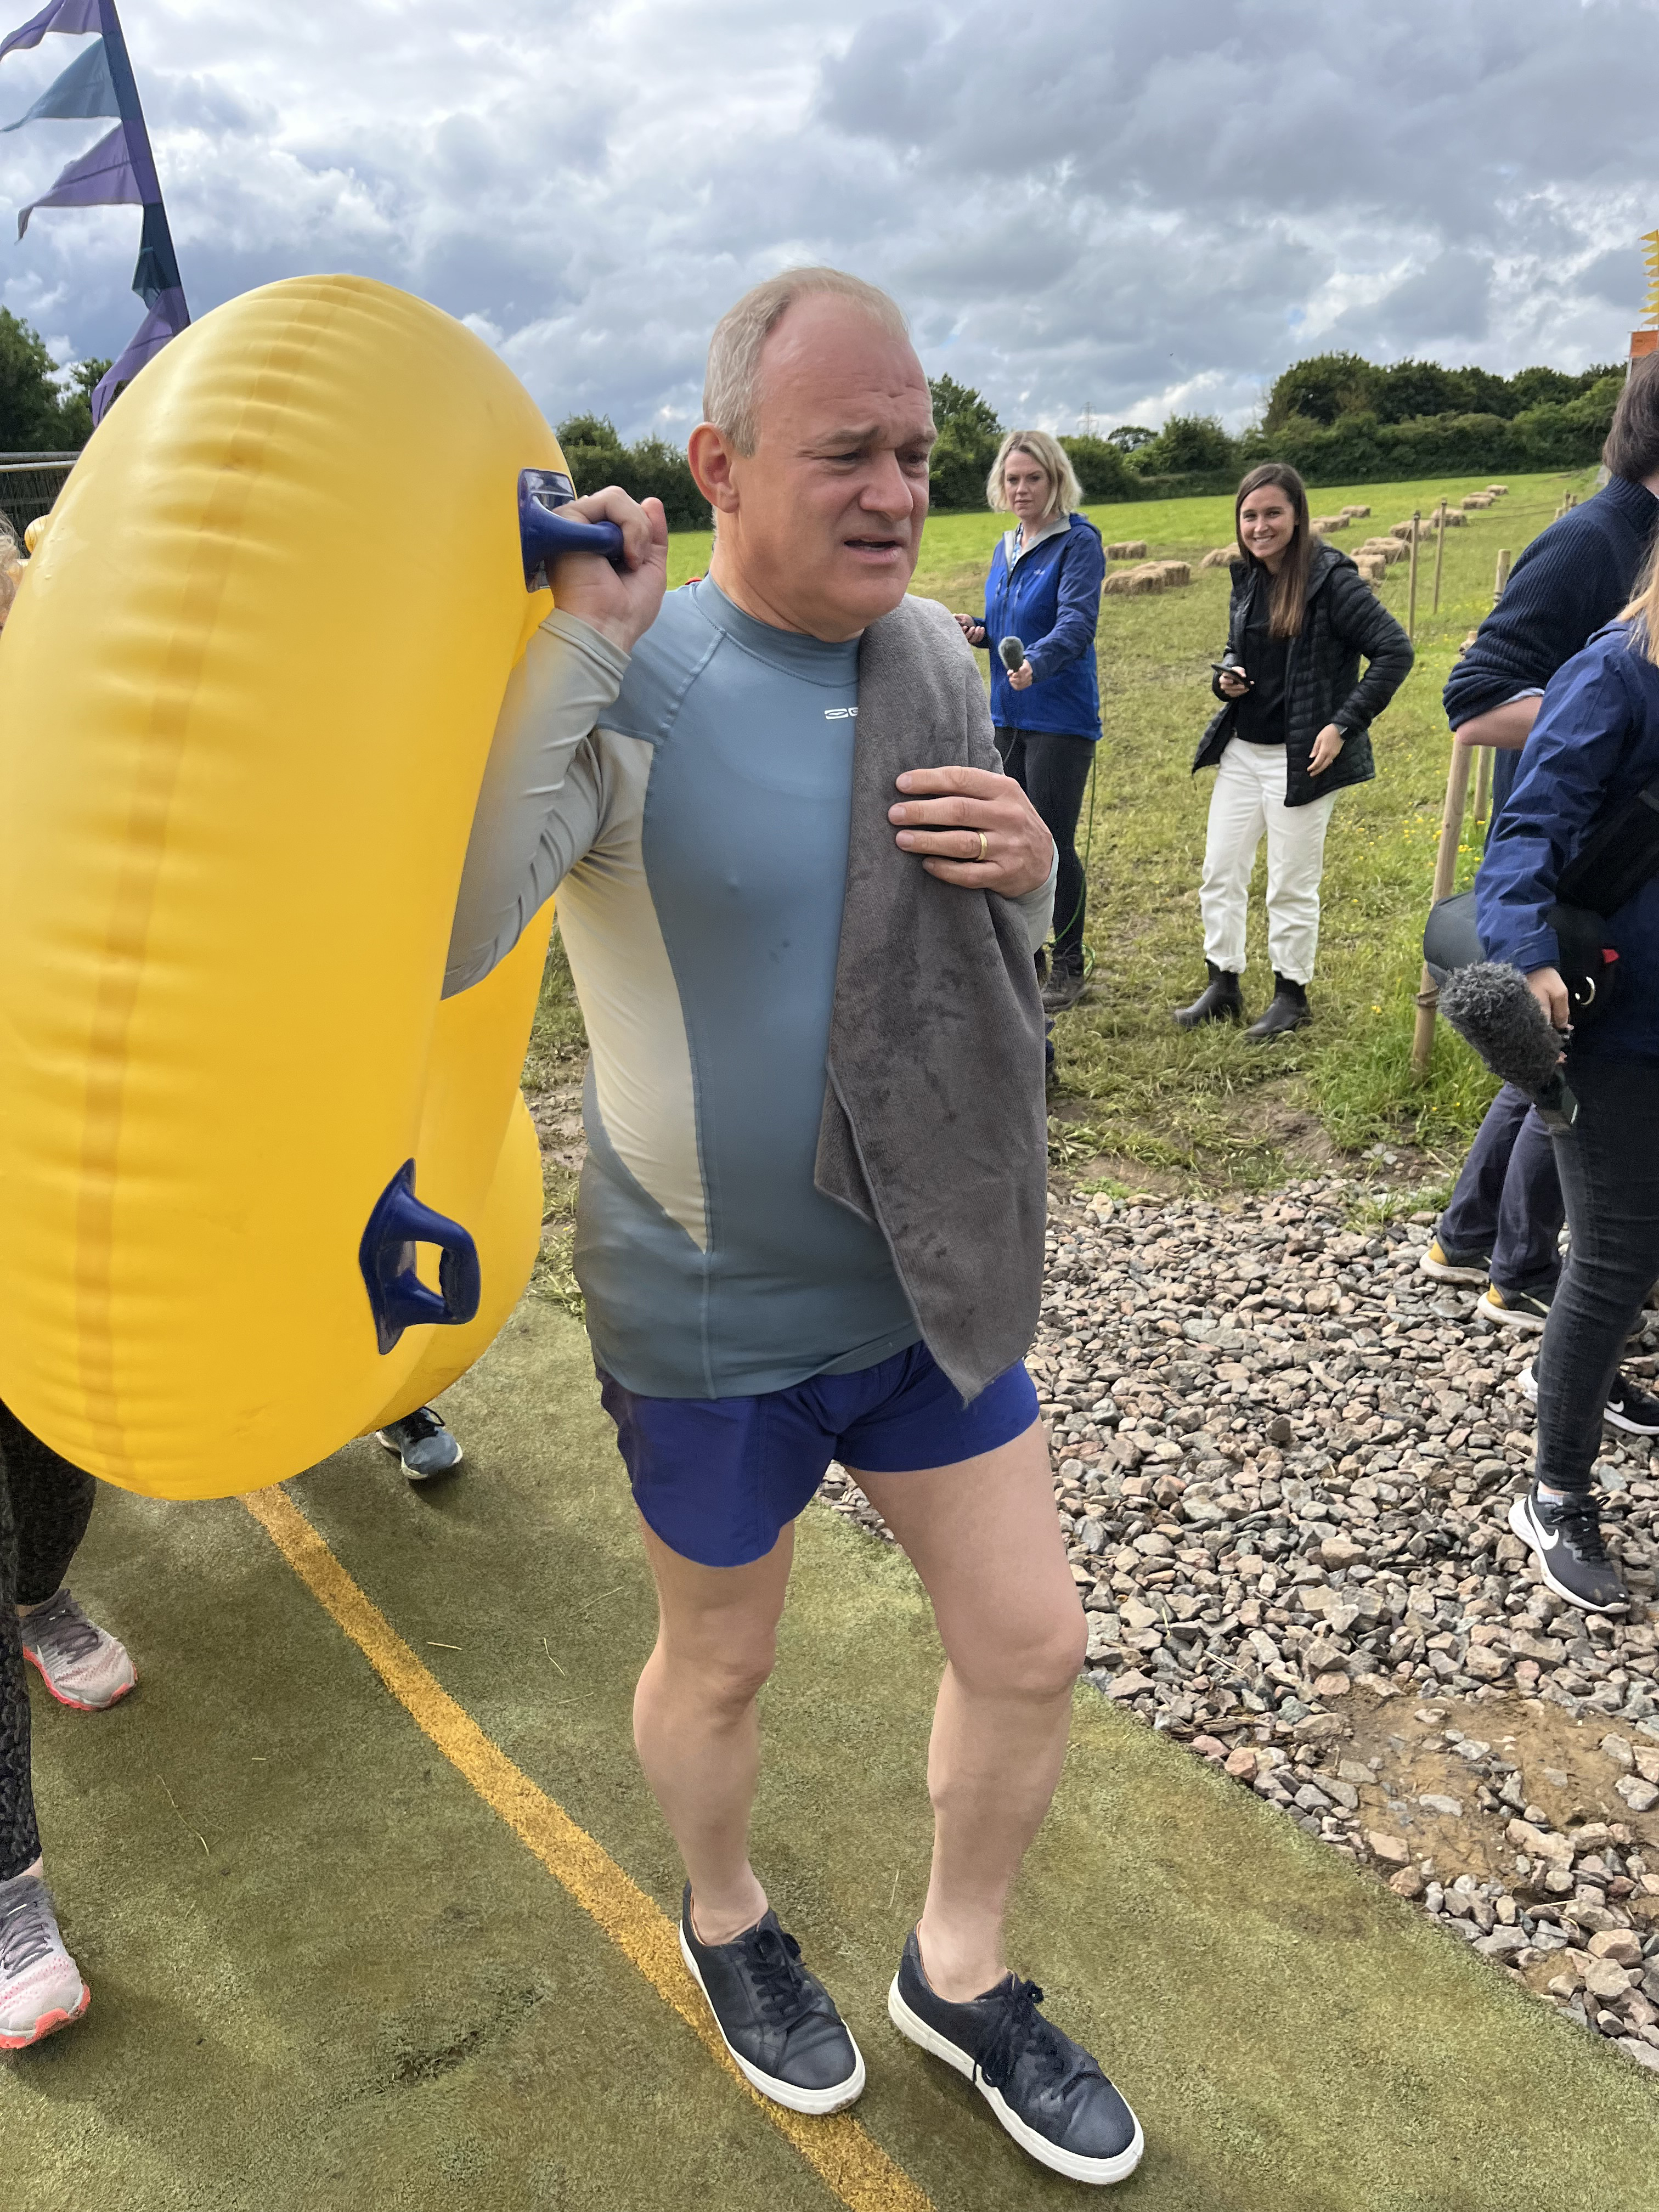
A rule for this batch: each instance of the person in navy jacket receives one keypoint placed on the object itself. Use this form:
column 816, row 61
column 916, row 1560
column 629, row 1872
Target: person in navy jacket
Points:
column 1592, row 749
column 1044, row 589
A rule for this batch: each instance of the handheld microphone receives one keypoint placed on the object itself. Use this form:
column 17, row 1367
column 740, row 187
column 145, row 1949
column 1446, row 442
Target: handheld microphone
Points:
column 1013, row 653
column 1491, row 1008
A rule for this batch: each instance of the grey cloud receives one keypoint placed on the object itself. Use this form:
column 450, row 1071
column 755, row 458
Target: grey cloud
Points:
column 1116, row 206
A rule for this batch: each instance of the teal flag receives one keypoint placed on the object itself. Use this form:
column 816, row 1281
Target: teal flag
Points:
column 85, row 88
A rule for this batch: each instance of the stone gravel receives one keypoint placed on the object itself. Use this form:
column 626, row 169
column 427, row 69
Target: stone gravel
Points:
column 1285, row 1460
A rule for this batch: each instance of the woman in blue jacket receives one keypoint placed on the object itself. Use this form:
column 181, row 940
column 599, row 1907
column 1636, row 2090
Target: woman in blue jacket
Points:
column 1593, row 750
column 1044, row 589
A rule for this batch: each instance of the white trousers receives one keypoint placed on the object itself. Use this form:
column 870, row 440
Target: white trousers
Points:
column 1249, row 797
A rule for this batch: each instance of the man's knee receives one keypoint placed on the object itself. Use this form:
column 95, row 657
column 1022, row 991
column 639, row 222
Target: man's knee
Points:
column 1036, row 1659
column 729, row 1670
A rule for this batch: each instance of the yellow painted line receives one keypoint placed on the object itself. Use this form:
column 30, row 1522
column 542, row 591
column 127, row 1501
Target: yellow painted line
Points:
column 837, row 2148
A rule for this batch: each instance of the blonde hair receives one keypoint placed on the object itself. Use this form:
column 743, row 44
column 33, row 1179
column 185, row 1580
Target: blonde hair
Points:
column 1051, row 457
column 730, row 390
column 12, row 565
column 1644, row 609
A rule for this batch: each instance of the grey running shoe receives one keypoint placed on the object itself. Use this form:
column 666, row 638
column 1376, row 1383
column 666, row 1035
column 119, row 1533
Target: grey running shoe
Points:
column 1565, row 1537
column 82, row 1665
column 423, row 1442
column 40, row 1985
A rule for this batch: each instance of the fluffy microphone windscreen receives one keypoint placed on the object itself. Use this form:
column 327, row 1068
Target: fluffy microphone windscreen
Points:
column 1013, row 653
column 1489, row 1006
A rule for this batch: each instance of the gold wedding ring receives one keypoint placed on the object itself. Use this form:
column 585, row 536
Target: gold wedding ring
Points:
column 984, row 844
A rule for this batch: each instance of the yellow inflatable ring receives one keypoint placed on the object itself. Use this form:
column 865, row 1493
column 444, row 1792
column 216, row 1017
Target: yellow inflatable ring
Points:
column 246, row 697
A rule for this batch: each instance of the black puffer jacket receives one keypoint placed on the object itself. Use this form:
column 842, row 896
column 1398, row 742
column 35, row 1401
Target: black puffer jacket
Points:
column 1345, row 621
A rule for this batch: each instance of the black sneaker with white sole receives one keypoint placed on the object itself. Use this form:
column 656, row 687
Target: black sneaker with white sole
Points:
column 1447, row 1264
column 1629, row 1407
column 1566, row 1539
column 777, row 2021
column 1046, row 2091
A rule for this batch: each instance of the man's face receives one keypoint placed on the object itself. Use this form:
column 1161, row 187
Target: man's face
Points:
column 824, row 521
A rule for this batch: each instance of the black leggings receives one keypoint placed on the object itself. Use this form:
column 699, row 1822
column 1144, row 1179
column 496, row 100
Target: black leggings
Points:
column 1053, row 771
column 1610, row 1174
column 44, row 1506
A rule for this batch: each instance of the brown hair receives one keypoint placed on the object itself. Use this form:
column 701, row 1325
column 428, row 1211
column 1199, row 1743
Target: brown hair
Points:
column 1633, row 447
column 1290, row 587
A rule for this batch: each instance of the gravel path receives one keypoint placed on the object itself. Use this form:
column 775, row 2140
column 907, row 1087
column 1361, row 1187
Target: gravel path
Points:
column 1285, row 1460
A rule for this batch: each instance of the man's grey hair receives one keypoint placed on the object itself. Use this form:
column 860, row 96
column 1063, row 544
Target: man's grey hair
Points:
column 731, row 391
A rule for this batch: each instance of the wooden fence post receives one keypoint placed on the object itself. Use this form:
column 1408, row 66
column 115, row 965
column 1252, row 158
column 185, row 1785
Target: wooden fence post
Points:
column 1411, row 592
column 1439, row 552
column 1483, row 771
column 1445, row 875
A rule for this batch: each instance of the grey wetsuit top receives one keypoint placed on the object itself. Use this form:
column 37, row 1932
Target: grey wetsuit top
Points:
column 691, row 807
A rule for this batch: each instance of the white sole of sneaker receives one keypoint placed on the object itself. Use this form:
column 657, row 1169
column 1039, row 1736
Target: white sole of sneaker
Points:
column 1507, row 1317
column 1102, row 2171
column 1521, row 1526
column 1474, row 1277
column 1623, row 1421
column 48, row 2023
column 80, row 1705
column 816, row 2102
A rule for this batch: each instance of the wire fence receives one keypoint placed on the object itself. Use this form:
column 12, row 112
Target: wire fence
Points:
column 29, row 484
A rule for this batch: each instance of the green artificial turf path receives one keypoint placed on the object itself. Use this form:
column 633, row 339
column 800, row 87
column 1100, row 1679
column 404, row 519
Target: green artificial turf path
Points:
column 325, row 1975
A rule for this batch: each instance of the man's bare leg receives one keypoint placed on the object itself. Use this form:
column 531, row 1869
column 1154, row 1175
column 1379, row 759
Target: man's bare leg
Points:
column 695, row 1723
column 984, row 1539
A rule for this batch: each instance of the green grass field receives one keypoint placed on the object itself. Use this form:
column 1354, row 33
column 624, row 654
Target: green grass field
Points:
column 1140, row 1101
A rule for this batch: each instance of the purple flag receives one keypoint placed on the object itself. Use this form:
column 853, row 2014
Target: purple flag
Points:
column 102, row 177
column 71, row 16
column 165, row 320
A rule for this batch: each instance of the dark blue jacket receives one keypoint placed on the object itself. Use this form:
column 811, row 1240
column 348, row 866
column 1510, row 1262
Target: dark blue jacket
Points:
column 1595, row 744
column 1575, row 576
column 1051, row 603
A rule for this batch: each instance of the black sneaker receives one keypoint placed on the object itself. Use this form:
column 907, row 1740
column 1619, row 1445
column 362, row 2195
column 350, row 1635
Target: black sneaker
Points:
column 1065, row 985
column 1571, row 1556
column 1046, row 2090
column 777, row 2021
column 1629, row 1407
column 1447, row 1266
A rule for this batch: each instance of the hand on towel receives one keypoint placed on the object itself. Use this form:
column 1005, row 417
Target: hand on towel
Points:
column 973, row 827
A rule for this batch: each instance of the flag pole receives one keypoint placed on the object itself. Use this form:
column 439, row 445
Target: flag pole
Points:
column 156, row 248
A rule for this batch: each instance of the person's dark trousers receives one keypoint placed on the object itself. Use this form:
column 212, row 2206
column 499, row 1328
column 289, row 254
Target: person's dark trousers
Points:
column 1609, row 1166
column 44, row 1506
column 1053, row 774
column 1508, row 1198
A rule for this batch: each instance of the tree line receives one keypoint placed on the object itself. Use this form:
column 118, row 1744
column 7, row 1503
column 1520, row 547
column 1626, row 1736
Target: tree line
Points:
column 43, row 409
column 1336, row 417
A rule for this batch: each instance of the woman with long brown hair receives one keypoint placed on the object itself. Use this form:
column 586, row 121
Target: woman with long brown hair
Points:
column 1292, row 731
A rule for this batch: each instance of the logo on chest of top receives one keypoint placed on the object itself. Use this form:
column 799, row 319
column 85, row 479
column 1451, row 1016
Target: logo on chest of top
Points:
column 841, row 714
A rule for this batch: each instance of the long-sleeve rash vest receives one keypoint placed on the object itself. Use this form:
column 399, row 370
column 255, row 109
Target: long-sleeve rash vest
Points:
column 691, row 805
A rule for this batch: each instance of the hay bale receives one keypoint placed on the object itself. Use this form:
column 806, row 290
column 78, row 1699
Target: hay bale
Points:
column 1133, row 548
column 1175, row 572
column 1223, row 557
column 1130, row 583
column 1359, row 512
column 1473, row 501
column 1154, row 570
column 1325, row 524
column 1371, row 566
column 1405, row 531
column 1452, row 519
column 1497, row 490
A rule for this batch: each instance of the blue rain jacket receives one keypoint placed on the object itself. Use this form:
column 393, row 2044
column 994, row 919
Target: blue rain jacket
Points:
column 1595, row 744
column 1050, row 600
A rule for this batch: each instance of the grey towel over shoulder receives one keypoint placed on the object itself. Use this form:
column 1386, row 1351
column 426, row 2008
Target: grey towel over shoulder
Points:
column 935, row 1121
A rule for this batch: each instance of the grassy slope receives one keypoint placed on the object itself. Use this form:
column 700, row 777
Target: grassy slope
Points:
column 1139, row 1099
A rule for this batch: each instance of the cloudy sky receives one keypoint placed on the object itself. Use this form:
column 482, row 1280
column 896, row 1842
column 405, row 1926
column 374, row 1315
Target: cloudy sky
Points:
column 1083, row 204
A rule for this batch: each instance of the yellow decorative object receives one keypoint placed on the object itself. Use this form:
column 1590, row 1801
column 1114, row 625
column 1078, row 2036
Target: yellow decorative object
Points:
column 1650, row 263
column 247, row 696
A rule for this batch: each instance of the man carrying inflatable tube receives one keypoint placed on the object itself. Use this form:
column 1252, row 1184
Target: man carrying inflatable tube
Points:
column 801, row 904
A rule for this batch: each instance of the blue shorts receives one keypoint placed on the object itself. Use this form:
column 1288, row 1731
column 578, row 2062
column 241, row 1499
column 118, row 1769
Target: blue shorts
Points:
column 718, row 1478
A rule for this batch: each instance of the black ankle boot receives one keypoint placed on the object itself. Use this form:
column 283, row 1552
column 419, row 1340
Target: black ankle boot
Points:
column 1220, row 1000
column 1287, row 1010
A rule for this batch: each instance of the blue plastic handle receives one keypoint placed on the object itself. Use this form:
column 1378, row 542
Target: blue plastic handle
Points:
column 398, row 1297
column 544, row 533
